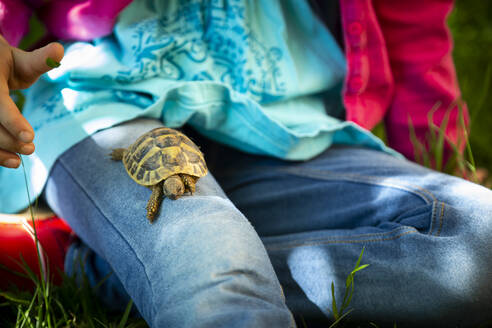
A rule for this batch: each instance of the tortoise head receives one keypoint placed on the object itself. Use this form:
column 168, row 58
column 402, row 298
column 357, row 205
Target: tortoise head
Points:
column 173, row 187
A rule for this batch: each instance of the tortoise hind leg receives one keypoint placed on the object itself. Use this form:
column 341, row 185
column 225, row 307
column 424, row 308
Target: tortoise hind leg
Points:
column 189, row 182
column 117, row 154
column 154, row 202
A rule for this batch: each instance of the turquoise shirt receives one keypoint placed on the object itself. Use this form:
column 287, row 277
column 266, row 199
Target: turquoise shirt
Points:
column 250, row 74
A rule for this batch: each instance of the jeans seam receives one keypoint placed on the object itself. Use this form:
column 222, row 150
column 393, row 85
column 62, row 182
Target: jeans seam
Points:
column 346, row 241
column 374, row 234
column 441, row 219
column 423, row 193
column 433, row 218
column 60, row 161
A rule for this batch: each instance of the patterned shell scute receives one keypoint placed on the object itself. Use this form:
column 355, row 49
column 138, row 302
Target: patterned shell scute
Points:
column 161, row 153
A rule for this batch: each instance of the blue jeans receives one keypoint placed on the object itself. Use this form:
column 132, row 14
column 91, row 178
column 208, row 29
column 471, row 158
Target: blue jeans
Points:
column 218, row 258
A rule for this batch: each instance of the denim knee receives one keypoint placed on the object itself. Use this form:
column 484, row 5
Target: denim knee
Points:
column 213, row 259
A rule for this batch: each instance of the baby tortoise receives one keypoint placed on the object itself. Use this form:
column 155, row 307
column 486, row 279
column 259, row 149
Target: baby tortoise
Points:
column 164, row 160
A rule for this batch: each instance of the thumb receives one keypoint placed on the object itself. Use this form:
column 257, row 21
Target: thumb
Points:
column 28, row 66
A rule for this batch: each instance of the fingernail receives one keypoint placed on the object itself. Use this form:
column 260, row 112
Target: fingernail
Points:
column 26, row 136
column 27, row 149
column 12, row 162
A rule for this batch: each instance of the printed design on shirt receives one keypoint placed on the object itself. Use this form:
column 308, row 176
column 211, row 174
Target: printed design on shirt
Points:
column 53, row 106
column 208, row 41
column 204, row 41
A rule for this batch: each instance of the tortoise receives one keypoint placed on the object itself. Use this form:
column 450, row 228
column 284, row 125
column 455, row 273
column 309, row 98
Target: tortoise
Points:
column 164, row 160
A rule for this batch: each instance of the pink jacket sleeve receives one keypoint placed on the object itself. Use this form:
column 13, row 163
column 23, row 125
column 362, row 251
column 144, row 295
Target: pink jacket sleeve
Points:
column 81, row 20
column 14, row 20
column 419, row 48
column 64, row 19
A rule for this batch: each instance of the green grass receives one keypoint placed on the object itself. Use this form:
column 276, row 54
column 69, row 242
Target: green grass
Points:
column 342, row 310
column 74, row 303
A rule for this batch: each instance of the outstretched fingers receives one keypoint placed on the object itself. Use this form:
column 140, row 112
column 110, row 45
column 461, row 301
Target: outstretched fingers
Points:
column 18, row 70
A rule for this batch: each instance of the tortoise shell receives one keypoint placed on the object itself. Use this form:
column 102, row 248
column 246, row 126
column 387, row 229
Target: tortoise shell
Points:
column 160, row 153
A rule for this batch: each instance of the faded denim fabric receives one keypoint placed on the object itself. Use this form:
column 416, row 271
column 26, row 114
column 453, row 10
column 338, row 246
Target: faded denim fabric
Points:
column 427, row 237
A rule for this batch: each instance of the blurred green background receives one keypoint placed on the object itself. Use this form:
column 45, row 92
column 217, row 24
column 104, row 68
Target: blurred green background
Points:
column 471, row 26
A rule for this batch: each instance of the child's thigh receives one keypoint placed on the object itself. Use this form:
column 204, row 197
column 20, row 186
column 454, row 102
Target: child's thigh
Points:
column 193, row 243
column 426, row 234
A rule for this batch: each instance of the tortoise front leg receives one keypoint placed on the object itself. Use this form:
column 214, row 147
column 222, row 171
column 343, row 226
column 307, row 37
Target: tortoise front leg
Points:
column 117, row 154
column 154, row 202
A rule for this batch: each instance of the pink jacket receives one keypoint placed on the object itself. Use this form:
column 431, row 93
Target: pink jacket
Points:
column 399, row 63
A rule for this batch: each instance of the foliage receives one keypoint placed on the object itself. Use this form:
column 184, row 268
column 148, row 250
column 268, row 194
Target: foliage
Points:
column 471, row 28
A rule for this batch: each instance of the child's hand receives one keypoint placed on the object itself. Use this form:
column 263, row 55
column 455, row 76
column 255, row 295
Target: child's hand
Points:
column 18, row 70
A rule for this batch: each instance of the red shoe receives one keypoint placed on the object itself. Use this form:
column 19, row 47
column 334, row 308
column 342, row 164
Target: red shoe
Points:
column 17, row 238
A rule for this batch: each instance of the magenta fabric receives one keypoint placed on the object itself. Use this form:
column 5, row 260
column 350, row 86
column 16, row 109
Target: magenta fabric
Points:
column 399, row 63
column 81, row 20
column 14, row 20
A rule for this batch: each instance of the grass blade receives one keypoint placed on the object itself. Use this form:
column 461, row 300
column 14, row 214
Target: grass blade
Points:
column 439, row 143
column 334, row 302
column 420, row 153
column 11, row 297
column 62, row 310
column 26, row 316
column 337, row 321
column 100, row 322
column 17, row 273
column 124, row 319
column 360, row 268
column 41, row 273
column 360, row 257
column 29, row 272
